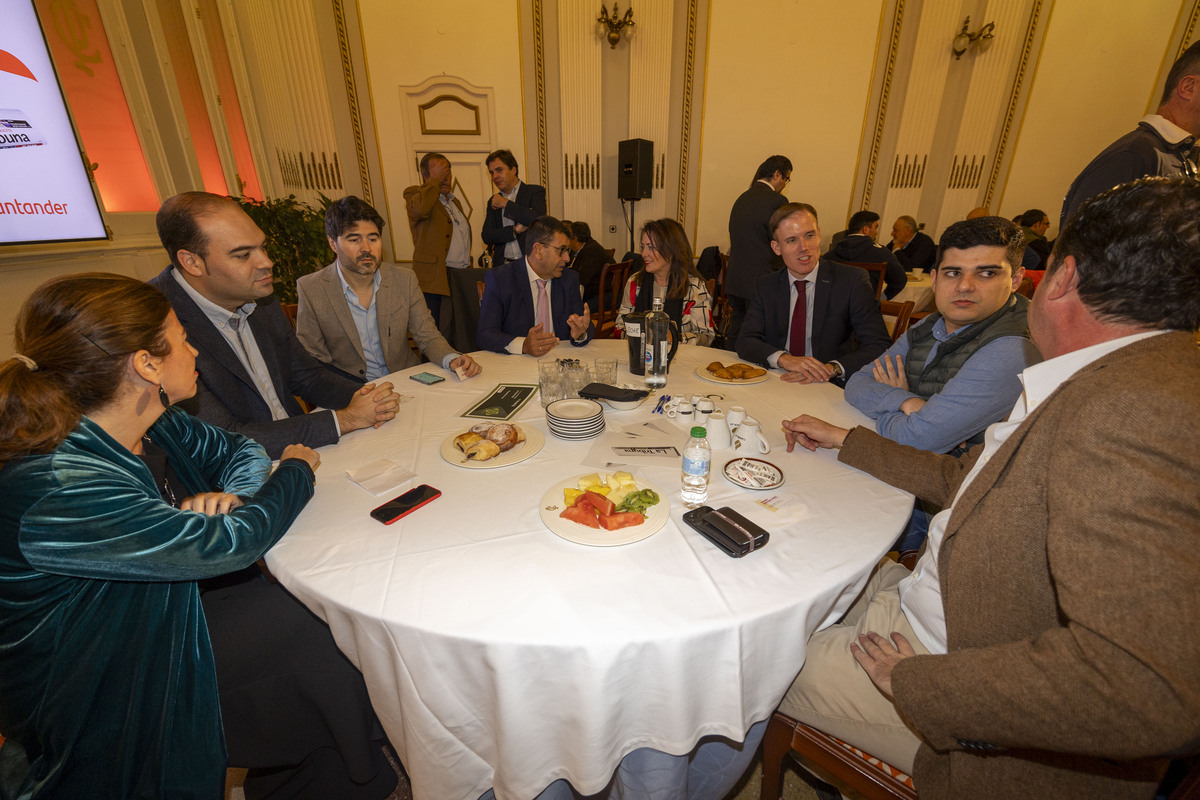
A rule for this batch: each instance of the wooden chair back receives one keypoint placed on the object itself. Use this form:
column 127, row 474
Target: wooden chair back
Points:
column 290, row 310
column 901, row 311
column 877, row 274
column 848, row 767
column 612, row 281
column 1026, row 287
column 479, row 288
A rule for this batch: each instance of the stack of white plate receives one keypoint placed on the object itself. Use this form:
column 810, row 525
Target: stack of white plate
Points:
column 575, row 419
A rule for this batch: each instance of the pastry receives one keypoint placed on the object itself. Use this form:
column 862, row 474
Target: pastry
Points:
column 483, row 450
column 503, row 435
column 482, row 428
column 723, row 373
column 714, row 366
column 464, row 440
column 753, row 372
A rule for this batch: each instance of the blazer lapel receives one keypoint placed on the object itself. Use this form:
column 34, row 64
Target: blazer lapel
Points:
column 332, row 286
column 204, row 335
column 387, row 306
column 821, row 295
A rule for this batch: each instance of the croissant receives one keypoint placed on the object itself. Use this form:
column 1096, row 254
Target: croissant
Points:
column 464, row 440
column 483, row 450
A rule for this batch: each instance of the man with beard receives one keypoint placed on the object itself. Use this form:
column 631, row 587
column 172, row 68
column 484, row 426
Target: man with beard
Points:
column 356, row 314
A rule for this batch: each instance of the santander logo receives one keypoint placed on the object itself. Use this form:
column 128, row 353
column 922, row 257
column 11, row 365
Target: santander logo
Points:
column 10, row 63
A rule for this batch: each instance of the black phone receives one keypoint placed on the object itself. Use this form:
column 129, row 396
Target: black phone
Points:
column 405, row 504
column 735, row 535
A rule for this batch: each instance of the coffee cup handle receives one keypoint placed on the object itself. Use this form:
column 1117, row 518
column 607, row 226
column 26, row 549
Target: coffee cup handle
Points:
column 763, row 447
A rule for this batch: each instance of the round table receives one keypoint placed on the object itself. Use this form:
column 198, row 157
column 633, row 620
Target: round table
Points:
column 500, row 655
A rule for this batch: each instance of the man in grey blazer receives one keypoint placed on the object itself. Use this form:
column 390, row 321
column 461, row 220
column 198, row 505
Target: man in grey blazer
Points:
column 250, row 362
column 356, row 314
column 1044, row 645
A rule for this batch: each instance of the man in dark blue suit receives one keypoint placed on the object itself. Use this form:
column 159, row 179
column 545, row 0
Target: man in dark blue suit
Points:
column 529, row 305
column 512, row 209
column 839, row 327
column 250, row 361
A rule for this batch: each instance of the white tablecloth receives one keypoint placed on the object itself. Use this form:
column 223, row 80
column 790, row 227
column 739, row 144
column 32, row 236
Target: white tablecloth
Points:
column 919, row 289
column 500, row 655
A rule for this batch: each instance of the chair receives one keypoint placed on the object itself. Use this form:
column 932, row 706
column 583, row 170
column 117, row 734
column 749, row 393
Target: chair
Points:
column 878, row 272
column 612, row 281
column 479, row 285
column 290, row 310
column 1026, row 287
column 846, row 765
column 901, row 311
column 720, row 303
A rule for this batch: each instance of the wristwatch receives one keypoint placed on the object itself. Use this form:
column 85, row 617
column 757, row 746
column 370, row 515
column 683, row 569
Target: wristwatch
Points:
column 837, row 369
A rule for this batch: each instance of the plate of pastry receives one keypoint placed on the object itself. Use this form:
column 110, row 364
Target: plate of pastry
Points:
column 736, row 373
column 492, row 444
column 604, row 510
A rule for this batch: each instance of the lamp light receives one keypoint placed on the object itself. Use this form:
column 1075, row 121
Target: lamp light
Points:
column 981, row 38
column 615, row 23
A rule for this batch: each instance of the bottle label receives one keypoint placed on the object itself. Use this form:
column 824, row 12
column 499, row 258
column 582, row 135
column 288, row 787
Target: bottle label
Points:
column 633, row 330
column 695, row 466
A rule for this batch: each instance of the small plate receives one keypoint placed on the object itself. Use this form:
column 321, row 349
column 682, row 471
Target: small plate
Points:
column 702, row 372
column 535, row 440
column 753, row 473
column 574, row 410
column 552, row 504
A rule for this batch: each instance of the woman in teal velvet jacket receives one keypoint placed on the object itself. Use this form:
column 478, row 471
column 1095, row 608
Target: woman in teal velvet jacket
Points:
column 107, row 685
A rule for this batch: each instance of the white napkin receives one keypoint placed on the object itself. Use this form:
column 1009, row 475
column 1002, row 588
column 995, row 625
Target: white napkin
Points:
column 380, row 477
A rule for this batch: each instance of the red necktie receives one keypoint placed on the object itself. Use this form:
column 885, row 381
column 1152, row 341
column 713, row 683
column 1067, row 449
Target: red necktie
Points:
column 799, row 321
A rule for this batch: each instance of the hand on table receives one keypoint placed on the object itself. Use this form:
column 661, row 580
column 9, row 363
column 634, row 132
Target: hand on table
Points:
column 211, row 503
column 370, row 407
column 804, row 369
column 470, row 366
column 811, row 433
column 579, row 323
column 538, row 342
column 305, row 454
column 879, row 657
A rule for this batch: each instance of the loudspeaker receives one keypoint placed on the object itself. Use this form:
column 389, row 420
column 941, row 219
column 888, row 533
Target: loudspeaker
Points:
column 635, row 169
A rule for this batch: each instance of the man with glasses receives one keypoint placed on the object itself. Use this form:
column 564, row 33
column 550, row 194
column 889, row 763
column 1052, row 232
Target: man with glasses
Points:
column 530, row 304
column 750, row 254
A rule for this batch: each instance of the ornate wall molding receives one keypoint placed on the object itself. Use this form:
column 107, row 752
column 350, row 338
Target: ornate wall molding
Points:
column 685, row 132
column 360, row 149
column 889, row 70
column 1189, row 32
column 539, row 77
column 1013, row 101
column 425, row 111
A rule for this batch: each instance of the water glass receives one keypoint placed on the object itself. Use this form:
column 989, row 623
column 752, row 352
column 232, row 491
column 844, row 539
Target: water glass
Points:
column 606, row 370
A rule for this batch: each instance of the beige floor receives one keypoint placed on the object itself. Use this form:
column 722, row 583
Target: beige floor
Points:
column 793, row 787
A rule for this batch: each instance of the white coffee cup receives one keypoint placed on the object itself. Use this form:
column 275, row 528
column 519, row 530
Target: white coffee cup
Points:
column 735, row 416
column 684, row 413
column 705, row 406
column 749, row 438
column 917, row 272
column 718, row 430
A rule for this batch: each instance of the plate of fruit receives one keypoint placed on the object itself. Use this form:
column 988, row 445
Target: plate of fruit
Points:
column 604, row 509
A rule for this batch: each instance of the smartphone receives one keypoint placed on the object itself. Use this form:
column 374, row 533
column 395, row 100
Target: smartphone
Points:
column 427, row 378
column 405, row 504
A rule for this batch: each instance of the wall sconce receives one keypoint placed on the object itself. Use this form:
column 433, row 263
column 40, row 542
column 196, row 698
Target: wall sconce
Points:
column 615, row 23
column 982, row 38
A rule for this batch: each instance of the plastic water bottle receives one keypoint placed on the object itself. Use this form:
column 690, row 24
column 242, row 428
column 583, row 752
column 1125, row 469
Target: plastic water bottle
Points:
column 697, row 460
column 656, row 339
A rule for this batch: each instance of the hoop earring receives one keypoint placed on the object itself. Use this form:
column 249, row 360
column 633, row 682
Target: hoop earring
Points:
column 162, row 397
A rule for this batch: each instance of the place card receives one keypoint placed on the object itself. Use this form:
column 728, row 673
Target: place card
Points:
column 503, row 402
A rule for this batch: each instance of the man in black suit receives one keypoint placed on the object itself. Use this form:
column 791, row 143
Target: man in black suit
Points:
column 295, row 711
column 859, row 247
column 589, row 261
column 750, row 253
column 912, row 248
column 835, row 330
column 250, row 361
column 529, row 305
column 512, row 209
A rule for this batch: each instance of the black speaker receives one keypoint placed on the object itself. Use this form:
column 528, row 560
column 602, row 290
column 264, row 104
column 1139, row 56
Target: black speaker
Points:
column 635, row 169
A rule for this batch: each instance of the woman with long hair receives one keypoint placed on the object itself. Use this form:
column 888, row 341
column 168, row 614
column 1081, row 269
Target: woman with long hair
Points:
column 670, row 274
column 115, row 505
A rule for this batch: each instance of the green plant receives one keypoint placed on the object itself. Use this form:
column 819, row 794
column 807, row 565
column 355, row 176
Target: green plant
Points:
column 295, row 238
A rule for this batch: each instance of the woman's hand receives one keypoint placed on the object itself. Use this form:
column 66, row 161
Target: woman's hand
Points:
column 211, row 503
column 305, row 454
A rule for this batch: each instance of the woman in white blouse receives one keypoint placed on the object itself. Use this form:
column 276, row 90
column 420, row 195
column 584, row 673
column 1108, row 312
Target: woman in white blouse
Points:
column 671, row 275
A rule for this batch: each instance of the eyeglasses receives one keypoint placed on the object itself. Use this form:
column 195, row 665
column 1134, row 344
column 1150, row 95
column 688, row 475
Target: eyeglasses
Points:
column 562, row 251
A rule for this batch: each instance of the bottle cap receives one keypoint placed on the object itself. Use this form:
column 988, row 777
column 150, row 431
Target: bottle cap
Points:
column 699, row 432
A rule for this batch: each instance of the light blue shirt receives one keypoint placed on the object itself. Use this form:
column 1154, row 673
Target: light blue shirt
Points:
column 981, row 392
column 366, row 322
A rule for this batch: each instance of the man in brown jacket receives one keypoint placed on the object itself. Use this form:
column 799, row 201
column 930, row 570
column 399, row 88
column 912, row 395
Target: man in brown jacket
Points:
column 1058, row 657
column 441, row 231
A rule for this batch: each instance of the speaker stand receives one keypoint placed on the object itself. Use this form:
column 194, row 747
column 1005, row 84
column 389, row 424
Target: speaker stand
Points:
column 632, row 222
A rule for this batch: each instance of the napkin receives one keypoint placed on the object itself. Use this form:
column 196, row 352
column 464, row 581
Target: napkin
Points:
column 380, row 477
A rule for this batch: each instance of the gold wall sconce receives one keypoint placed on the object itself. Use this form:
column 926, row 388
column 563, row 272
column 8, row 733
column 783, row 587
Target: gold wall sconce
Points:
column 615, row 23
column 981, row 38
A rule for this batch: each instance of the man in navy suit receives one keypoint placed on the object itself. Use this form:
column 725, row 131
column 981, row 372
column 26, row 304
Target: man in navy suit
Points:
column 512, row 209
column 750, row 255
column 250, row 361
column 838, row 328
column 529, row 305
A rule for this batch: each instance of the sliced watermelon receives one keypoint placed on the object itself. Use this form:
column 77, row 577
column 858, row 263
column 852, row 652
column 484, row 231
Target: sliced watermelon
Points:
column 622, row 519
column 597, row 501
column 582, row 514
